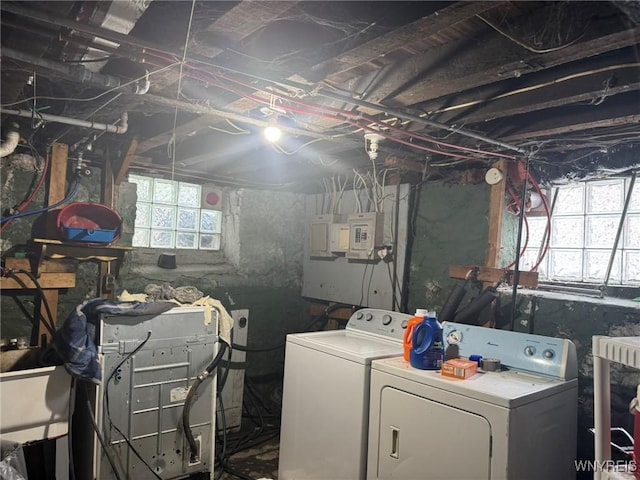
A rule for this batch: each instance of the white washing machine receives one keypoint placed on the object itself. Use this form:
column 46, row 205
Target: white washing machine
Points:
column 517, row 423
column 325, row 404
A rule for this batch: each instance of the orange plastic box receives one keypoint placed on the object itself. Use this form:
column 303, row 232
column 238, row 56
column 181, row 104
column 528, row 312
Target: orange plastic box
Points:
column 459, row 368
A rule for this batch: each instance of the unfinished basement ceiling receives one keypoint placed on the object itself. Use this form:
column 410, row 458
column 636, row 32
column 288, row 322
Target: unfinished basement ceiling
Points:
column 446, row 85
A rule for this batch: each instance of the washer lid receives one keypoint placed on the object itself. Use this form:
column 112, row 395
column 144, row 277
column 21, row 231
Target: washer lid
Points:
column 507, row 388
column 348, row 345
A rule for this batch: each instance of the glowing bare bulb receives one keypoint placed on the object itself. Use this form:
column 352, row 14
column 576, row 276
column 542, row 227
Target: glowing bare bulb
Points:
column 272, row 133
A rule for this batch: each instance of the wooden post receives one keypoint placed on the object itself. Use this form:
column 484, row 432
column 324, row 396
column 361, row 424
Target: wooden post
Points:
column 108, row 200
column 56, row 186
column 496, row 211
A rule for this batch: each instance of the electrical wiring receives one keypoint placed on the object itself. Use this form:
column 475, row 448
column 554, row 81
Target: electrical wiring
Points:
column 524, row 45
column 547, row 238
column 538, row 86
column 336, row 114
column 90, row 99
column 279, row 148
column 36, row 190
column 98, row 432
column 108, row 412
column 239, row 131
column 65, row 200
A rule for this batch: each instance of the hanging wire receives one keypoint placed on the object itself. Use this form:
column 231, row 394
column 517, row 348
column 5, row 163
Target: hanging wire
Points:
column 175, row 116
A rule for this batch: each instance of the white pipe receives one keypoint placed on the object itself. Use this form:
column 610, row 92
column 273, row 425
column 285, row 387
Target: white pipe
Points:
column 120, row 129
column 145, row 86
column 9, row 144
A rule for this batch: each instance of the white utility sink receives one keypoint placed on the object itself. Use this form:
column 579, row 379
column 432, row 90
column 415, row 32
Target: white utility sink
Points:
column 34, row 404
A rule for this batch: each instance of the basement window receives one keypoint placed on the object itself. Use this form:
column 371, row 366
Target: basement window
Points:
column 584, row 224
column 169, row 214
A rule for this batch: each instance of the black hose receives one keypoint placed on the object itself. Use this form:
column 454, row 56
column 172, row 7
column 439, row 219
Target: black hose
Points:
column 51, row 328
column 452, row 303
column 470, row 312
column 186, row 411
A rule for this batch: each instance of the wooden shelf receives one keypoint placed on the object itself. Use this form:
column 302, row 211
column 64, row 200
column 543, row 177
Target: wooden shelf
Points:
column 493, row 275
column 54, row 249
column 46, row 281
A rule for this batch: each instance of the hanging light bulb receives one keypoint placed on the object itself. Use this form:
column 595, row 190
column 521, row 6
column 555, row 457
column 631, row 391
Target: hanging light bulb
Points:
column 272, row 132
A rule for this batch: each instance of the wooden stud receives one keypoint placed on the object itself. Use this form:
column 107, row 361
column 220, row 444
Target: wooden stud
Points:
column 121, row 171
column 496, row 211
column 493, row 275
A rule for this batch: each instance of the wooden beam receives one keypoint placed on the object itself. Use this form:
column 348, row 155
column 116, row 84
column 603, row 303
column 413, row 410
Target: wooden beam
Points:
column 46, row 281
column 399, row 38
column 556, row 88
column 496, row 212
column 57, row 183
column 47, row 266
column 339, row 314
column 404, row 164
column 122, row 169
column 493, row 275
column 467, row 72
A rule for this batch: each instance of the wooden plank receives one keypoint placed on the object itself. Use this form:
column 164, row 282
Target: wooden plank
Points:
column 121, row 170
column 57, row 183
column 493, row 275
column 339, row 314
column 466, row 72
column 47, row 266
column 496, row 212
column 403, row 164
column 399, row 38
column 46, row 281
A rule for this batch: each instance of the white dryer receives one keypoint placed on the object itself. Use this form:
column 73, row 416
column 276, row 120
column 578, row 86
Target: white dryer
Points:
column 325, row 405
column 518, row 423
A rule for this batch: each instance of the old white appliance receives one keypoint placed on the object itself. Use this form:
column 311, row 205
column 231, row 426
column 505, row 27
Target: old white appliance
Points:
column 325, row 405
column 148, row 362
column 517, row 423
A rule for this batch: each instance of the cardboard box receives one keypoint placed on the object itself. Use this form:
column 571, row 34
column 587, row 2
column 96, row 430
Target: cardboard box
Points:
column 459, row 368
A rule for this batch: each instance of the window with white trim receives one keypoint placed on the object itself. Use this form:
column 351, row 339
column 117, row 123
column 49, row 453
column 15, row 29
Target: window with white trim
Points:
column 584, row 224
column 169, row 215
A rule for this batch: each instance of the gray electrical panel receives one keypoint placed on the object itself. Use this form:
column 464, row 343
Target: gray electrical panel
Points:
column 148, row 364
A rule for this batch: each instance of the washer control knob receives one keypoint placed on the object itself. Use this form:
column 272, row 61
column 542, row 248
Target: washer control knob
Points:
column 386, row 319
column 368, row 317
column 359, row 315
column 529, row 351
column 454, row 337
column 404, row 324
column 549, row 354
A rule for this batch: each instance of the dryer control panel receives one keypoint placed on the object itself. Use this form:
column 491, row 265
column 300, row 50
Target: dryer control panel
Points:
column 384, row 323
column 548, row 356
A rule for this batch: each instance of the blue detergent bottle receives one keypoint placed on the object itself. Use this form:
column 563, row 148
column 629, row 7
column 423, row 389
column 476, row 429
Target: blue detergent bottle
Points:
column 427, row 350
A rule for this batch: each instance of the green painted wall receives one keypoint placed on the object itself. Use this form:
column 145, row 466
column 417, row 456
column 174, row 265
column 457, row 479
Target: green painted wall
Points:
column 450, row 228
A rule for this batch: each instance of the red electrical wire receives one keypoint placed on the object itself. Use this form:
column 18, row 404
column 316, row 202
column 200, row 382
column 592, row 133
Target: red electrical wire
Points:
column 33, row 194
column 547, row 230
column 326, row 112
column 515, row 198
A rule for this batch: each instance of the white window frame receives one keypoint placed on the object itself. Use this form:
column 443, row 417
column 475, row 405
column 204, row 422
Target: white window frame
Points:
column 587, row 233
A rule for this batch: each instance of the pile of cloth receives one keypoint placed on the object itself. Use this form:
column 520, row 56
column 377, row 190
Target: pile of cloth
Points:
column 74, row 342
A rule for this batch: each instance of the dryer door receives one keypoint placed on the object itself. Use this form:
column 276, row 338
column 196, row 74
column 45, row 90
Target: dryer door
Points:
column 421, row 438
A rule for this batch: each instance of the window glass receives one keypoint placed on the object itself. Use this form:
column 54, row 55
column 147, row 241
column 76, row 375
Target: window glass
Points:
column 585, row 222
column 168, row 215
